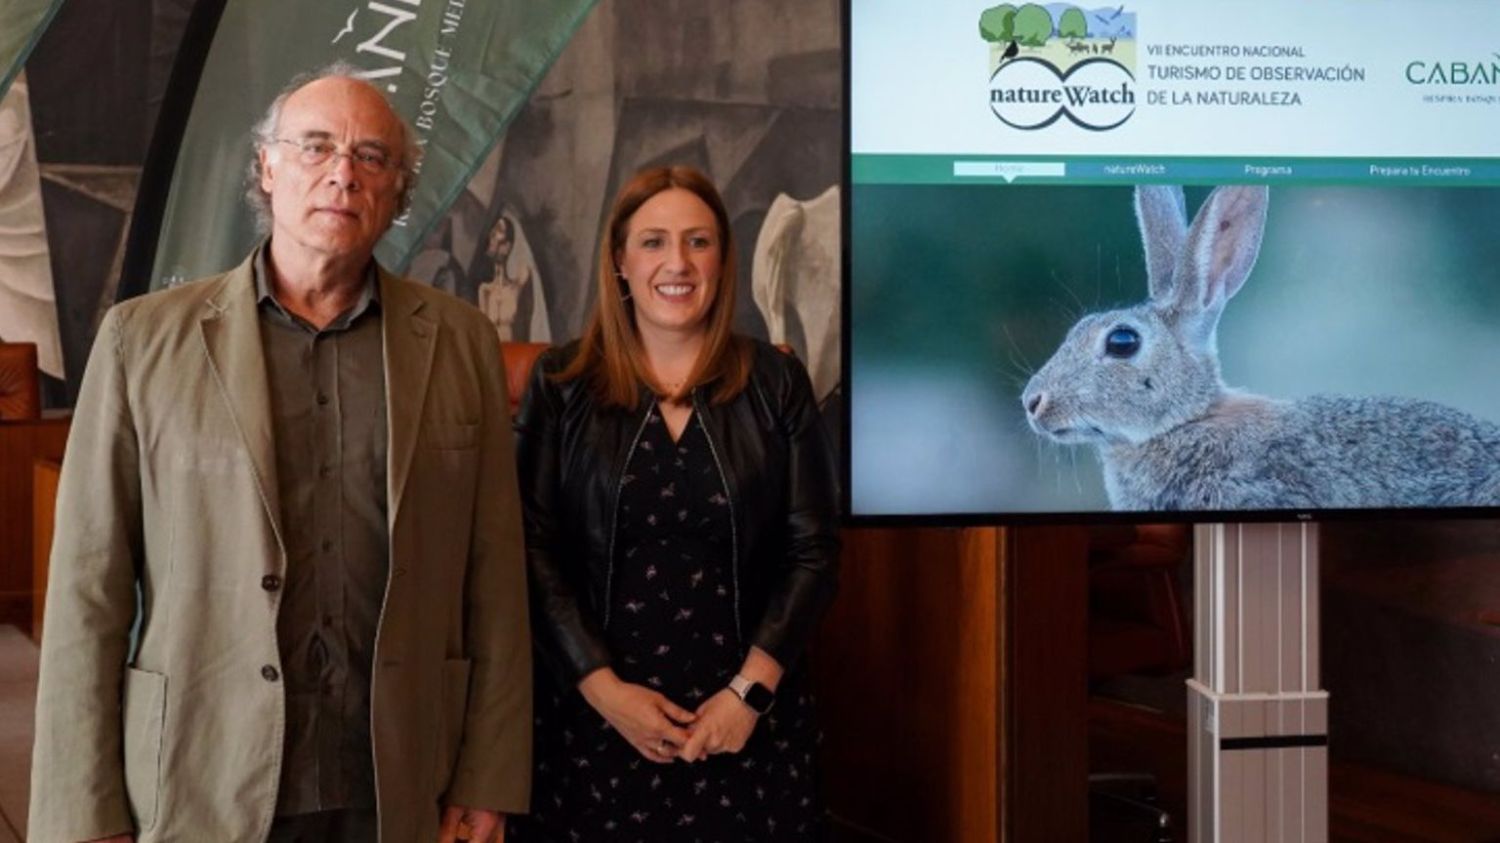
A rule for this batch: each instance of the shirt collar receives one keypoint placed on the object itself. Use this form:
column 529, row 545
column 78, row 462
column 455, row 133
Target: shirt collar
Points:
column 369, row 297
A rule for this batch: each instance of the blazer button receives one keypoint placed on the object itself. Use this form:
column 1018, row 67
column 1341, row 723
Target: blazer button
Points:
column 269, row 673
column 270, row 582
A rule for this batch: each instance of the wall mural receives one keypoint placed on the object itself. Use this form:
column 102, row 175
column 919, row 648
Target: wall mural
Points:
column 748, row 92
column 96, row 80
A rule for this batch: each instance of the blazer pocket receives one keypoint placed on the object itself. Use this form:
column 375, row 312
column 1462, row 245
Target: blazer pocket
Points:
column 144, row 718
column 450, row 436
column 451, row 717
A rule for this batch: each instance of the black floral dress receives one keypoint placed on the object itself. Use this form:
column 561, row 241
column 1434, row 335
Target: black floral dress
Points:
column 672, row 627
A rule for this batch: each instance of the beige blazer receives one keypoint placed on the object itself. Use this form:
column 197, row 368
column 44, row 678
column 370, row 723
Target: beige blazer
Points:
column 169, row 483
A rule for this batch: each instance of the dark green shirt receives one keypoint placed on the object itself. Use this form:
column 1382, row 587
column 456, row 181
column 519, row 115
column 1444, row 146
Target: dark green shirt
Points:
column 328, row 415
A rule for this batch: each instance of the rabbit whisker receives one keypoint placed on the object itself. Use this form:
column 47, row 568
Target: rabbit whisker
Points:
column 1099, row 271
column 1058, row 281
column 1023, row 369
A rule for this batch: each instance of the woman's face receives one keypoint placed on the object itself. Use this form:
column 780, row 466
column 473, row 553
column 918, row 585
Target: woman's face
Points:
column 672, row 259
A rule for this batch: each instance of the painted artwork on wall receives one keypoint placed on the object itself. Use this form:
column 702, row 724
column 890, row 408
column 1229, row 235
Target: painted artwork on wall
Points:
column 28, row 307
column 747, row 92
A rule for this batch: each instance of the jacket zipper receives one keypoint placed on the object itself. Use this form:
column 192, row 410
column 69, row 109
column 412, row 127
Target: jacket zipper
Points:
column 734, row 538
column 614, row 514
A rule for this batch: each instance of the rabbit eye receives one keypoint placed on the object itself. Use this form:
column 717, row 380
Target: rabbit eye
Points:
column 1122, row 343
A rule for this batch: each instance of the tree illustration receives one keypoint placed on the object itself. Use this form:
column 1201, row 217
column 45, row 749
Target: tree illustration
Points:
column 996, row 24
column 1032, row 25
column 1072, row 24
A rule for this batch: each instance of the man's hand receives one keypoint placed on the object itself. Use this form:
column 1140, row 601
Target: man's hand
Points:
column 473, row 824
column 651, row 723
column 724, row 724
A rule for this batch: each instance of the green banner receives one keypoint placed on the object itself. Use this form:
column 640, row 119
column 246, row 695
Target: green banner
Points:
column 22, row 22
column 459, row 70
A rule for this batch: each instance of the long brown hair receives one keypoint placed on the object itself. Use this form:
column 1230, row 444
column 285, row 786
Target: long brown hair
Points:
column 610, row 355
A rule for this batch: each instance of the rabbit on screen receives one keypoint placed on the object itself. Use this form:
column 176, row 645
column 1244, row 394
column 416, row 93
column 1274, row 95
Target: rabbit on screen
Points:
column 1143, row 385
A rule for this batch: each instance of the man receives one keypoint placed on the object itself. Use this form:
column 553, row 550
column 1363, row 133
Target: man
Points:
column 500, row 297
column 296, row 480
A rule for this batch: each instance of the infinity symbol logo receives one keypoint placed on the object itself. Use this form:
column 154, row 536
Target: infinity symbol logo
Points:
column 1028, row 93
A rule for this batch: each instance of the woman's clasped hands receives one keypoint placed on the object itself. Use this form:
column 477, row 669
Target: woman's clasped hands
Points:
column 662, row 731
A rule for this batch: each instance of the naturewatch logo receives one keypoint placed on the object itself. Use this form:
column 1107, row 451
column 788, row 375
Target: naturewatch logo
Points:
column 1060, row 60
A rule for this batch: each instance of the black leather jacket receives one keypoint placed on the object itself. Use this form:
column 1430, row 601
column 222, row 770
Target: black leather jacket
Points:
column 571, row 453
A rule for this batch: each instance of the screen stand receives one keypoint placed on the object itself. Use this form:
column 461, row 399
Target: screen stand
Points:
column 1257, row 716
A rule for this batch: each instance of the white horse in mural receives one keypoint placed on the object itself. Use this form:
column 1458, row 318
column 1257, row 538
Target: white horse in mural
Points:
column 795, row 282
column 28, row 306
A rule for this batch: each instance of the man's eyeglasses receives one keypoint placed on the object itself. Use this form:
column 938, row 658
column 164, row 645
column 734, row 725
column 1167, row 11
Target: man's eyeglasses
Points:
column 314, row 152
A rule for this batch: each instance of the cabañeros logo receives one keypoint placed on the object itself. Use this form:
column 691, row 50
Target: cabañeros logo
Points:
column 1059, row 60
column 1484, row 71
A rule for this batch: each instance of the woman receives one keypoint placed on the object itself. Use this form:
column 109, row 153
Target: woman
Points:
column 682, row 541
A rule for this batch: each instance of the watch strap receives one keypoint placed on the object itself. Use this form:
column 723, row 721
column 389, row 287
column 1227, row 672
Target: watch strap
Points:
column 753, row 694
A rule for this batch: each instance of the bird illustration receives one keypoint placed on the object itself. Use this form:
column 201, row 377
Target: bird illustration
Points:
column 348, row 27
column 1011, row 51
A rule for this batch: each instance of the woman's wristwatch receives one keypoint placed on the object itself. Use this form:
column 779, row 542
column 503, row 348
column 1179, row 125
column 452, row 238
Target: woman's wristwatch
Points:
column 754, row 694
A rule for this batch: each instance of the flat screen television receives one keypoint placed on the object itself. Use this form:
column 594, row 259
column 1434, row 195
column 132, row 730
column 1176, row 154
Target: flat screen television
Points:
column 1172, row 260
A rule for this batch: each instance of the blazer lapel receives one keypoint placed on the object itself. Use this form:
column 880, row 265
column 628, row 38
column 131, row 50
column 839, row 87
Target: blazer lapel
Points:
column 230, row 328
column 410, row 339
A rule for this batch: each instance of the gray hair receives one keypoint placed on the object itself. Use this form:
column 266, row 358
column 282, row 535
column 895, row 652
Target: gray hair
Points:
column 263, row 133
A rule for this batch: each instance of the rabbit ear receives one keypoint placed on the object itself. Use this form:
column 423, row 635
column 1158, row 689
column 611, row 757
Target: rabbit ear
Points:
column 1221, row 248
column 1161, row 212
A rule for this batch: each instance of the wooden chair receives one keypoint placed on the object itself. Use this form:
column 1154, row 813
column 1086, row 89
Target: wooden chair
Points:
column 45, row 475
column 519, row 357
column 25, row 436
column 20, row 381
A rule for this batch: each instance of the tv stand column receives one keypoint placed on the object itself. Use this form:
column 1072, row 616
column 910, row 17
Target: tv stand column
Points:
column 1257, row 716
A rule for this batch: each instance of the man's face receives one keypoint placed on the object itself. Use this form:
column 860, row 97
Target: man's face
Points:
column 338, row 208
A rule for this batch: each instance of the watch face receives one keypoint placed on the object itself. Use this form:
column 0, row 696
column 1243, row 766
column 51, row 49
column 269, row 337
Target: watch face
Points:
column 758, row 697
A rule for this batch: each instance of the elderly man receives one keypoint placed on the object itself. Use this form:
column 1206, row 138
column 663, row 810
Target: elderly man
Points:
column 288, row 585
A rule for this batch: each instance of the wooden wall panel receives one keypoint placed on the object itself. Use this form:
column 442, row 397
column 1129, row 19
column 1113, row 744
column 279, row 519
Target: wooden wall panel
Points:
column 907, row 670
column 951, row 674
column 1046, row 685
